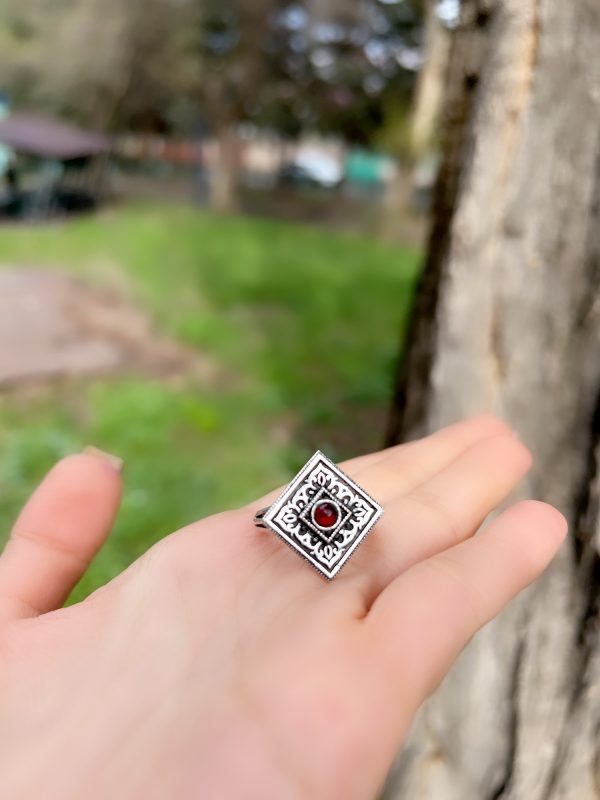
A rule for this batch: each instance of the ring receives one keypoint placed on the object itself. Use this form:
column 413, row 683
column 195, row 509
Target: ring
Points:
column 322, row 514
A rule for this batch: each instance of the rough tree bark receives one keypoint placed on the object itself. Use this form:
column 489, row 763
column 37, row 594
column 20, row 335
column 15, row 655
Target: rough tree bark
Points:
column 508, row 320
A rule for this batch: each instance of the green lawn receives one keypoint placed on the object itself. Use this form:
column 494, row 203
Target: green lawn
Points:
column 303, row 324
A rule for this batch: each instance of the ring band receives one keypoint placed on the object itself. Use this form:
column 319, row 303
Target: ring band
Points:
column 323, row 515
column 258, row 517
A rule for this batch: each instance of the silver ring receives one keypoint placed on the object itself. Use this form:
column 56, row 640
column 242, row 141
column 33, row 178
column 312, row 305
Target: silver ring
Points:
column 322, row 514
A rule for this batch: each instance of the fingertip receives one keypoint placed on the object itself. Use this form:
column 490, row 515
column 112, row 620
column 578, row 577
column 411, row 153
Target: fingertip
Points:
column 509, row 453
column 489, row 424
column 486, row 429
column 82, row 492
column 533, row 532
column 545, row 517
column 524, row 453
column 114, row 462
column 89, row 470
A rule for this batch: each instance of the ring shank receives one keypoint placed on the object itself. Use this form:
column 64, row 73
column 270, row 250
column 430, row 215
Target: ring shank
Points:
column 258, row 518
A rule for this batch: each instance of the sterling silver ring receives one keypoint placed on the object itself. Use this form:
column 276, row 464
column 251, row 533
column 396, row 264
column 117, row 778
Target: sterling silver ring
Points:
column 322, row 514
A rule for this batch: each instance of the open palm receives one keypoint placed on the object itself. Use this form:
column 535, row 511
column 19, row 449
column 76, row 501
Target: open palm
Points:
column 220, row 665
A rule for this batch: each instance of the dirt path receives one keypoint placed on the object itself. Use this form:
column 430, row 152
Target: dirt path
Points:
column 53, row 325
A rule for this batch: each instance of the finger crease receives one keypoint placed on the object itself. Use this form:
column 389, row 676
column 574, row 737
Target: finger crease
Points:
column 14, row 597
column 52, row 545
column 473, row 598
column 431, row 503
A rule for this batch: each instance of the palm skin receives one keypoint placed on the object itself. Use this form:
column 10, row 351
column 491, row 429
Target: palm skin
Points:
column 220, row 665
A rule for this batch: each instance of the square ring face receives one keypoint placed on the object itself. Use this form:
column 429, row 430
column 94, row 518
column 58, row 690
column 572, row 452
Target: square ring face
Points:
column 323, row 515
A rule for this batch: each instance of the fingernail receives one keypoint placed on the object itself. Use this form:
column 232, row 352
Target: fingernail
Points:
column 115, row 462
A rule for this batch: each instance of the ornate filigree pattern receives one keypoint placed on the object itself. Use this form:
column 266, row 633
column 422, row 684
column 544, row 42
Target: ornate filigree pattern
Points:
column 290, row 515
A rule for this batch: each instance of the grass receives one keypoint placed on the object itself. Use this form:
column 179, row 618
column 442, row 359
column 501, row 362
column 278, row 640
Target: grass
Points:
column 304, row 323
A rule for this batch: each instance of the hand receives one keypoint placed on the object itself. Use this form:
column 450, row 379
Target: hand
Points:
column 221, row 665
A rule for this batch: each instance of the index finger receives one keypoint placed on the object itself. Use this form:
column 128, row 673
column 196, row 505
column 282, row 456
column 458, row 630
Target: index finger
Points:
column 424, row 618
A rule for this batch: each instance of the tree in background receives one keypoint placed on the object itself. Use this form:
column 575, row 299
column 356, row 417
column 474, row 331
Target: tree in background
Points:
column 101, row 62
column 234, row 38
column 363, row 56
column 508, row 320
column 317, row 65
column 287, row 65
column 431, row 82
column 411, row 131
column 21, row 42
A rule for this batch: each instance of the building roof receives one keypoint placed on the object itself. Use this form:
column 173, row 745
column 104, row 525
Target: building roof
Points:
column 46, row 137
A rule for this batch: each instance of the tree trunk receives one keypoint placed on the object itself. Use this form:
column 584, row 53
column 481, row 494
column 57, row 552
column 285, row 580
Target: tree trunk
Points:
column 428, row 103
column 224, row 197
column 431, row 83
column 508, row 320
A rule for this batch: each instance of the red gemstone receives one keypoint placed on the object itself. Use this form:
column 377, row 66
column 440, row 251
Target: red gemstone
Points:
column 326, row 514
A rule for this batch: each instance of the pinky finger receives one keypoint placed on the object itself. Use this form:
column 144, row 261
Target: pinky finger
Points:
column 424, row 618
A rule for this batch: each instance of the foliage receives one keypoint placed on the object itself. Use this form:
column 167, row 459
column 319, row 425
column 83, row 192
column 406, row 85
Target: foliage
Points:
column 302, row 325
column 294, row 65
column 290, row 65
column 102, row 62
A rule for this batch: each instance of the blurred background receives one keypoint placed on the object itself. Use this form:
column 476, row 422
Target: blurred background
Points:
column 211, row 225
column 213, row 260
